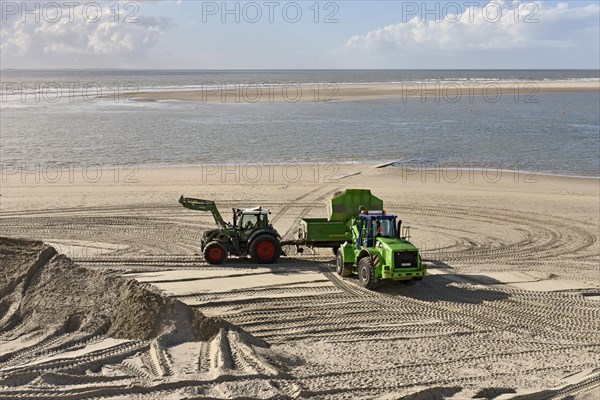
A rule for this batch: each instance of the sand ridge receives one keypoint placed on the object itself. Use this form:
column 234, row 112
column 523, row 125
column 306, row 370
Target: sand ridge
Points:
column 331, row 92
column 64, row 326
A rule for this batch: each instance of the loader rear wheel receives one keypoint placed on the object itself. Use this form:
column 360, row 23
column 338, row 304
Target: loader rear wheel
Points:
column 366, row 274
column 215, row 253
column 265, row 249
column 342, row 268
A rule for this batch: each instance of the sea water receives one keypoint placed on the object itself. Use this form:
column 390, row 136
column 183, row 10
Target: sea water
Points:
column 60, row 117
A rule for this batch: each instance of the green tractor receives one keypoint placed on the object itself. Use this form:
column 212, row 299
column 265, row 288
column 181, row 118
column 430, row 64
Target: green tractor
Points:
column 378, row 251
column 250, row 233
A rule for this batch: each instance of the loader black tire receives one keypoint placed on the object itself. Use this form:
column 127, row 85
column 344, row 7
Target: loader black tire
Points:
column 215, row 253
column 366, row 274
column 265, row 249
column 342, row 268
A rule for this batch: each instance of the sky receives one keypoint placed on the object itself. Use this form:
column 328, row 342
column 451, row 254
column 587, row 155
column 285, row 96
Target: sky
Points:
column 274, row 34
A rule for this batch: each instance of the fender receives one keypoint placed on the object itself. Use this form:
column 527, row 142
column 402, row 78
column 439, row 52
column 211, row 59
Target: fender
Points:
column 261, row 232
column 364, row 253
column 373, row 255
column 225, row 242
column 348, row 252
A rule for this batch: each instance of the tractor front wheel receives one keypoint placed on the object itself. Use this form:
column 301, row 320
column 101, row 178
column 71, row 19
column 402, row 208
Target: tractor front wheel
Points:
column 342, row 268
column 366, row 274
column 265, row 249
column 215, row 253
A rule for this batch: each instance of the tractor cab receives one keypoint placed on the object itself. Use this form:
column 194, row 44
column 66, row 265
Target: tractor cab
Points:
column 257, row 217
column 249, row 220
column 375, row 224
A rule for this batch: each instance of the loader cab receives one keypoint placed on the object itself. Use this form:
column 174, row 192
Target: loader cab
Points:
column 374, row 224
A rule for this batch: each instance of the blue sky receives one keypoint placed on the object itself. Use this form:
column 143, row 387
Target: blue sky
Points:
column 368, row 34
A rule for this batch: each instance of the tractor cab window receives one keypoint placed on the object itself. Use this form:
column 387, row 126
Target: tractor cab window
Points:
column 383, row 228
column 373, row 228
column 249, row 222
column 263, row 222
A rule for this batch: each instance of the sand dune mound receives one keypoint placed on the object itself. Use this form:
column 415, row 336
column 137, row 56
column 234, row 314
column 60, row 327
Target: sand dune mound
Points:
column 71, row 332
column 40, row 289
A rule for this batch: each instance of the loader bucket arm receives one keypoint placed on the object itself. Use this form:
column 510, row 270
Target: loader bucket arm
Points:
column 204, row 205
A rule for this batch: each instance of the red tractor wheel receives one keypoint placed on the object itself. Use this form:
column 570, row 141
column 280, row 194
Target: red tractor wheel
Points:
column 265, row 249
column 215, row 253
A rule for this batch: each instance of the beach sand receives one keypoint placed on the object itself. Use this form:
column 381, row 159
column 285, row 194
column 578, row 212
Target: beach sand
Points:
column 327, row 92
column 510, row 306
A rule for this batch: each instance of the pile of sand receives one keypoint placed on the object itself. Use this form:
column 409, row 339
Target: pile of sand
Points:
column 42, row 290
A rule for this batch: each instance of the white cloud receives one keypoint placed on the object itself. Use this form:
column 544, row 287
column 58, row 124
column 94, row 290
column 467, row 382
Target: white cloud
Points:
column 53, row 38
column 533, row 27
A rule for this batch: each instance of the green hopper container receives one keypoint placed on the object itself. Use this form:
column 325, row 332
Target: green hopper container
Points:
column 346, row 206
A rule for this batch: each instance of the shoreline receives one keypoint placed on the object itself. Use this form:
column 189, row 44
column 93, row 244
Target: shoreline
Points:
column 387, row 165
column 378, row 164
